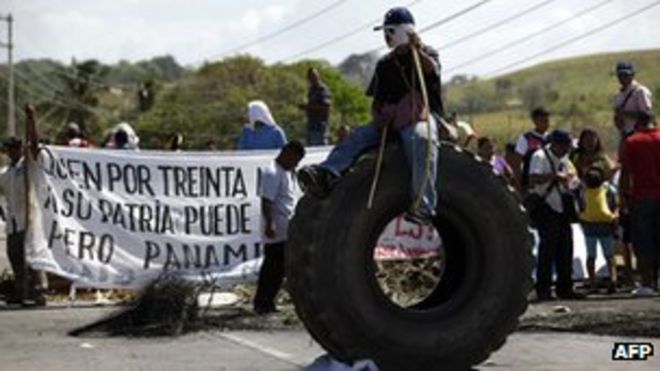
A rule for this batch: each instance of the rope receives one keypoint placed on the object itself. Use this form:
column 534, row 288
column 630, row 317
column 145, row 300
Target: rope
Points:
column 379, row 165
column 429, row 142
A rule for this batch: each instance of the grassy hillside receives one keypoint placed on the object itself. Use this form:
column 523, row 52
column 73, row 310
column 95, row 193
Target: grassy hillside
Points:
column 578, row 90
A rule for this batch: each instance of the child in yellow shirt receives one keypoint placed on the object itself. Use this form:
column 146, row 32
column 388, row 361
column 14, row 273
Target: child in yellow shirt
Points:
column 598, row 219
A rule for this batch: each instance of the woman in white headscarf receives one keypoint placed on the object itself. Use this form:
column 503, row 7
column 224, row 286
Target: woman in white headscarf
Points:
column 262, row 132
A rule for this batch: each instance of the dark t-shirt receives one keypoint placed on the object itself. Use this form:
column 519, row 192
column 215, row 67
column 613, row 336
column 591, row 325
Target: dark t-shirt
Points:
column 641, row 157
column 318, row 95
column 395, row 74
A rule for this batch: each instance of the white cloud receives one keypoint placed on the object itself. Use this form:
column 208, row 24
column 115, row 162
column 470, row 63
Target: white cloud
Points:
column 275, row 13
column 251, row 20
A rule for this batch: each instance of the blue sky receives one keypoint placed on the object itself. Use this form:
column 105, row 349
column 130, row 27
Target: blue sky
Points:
column 195, row 31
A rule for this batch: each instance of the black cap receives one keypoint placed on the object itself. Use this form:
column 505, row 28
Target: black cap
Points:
column 561, row 136
column 295, row 147
column 12, row 142
column 625, row 68
column 645, row 117
column 396, row 16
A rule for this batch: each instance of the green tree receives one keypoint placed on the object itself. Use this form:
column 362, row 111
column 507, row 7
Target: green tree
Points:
column 81, row 89
column 211, row 104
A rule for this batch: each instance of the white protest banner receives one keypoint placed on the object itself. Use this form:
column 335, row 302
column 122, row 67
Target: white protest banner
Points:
column 403, row 240
column 119, row 219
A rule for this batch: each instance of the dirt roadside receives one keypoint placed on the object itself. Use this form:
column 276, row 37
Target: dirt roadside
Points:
column 617, row 315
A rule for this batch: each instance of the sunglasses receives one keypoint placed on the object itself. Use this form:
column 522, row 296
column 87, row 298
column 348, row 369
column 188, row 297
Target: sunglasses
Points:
column 390, row 31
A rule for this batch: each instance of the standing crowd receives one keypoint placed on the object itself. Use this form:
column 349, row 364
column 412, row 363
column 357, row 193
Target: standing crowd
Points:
column 276, row 187
column 563, row 181
column 566, row 181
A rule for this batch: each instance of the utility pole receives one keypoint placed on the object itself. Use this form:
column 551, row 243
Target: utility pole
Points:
column 11, row 116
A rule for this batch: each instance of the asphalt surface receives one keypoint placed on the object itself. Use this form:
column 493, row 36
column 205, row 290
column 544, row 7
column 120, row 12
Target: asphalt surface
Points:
column 36, row 339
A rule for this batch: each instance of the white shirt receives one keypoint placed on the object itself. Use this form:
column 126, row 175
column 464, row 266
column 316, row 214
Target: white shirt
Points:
column 522, row 146
column 540, row 165
column 465, row 129
column 12, row 186
column 640, row 100
column 278, row 186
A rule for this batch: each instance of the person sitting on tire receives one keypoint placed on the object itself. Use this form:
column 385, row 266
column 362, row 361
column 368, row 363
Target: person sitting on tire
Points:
column 397, row 105
column 278, row 200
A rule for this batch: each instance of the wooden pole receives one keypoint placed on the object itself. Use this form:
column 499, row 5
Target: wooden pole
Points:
column 26, row 177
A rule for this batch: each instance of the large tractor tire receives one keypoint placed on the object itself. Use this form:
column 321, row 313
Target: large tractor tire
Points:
column 478, row 300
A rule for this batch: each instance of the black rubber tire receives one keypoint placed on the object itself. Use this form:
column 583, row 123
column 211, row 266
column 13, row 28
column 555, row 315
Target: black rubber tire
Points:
column 482, row 293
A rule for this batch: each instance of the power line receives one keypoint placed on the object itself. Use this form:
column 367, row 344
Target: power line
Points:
column 32, row 93
column 46, row 83
column 495, row 25
column 454, row 16
column 442, row 21
column 52, row 100
column 42, row 78
column 5, row 101
column 70, row 104
column 578, row 38
column 64, row 70
column 271, row 35
column 49, row 86
column 44, row 95
column 341, row 37
column 526, row 38
column 40, row 95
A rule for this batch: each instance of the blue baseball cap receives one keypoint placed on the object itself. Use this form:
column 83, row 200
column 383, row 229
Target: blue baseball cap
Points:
column 396, row 16
column 625, row 68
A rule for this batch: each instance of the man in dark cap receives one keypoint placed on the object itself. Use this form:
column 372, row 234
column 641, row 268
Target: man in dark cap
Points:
column 551, row 177
column 631, row 99
column 397, row 105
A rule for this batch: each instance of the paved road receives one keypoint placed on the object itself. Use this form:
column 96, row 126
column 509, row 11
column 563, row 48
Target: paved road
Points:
column 36, row 339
